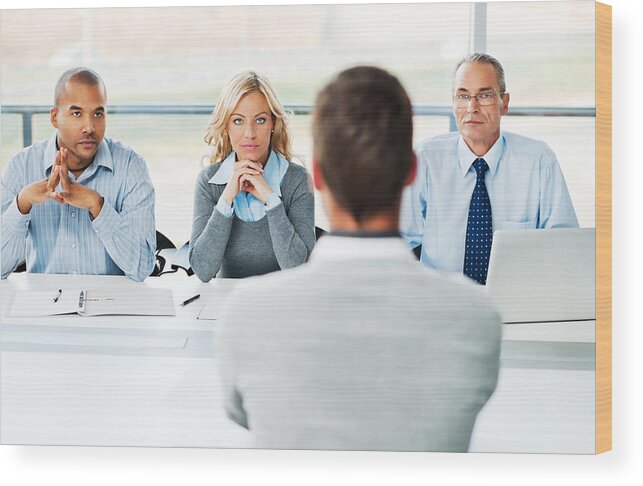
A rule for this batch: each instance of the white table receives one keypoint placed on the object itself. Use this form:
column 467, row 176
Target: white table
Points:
column 544, row 400
column 152, row 381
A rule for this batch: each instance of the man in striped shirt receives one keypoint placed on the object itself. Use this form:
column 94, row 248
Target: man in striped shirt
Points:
column 78, row 203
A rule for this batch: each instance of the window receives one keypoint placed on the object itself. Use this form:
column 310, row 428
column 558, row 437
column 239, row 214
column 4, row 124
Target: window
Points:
column 164, row 56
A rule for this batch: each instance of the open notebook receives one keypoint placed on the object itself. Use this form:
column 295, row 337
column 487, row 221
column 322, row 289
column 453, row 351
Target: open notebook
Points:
column 142, row 301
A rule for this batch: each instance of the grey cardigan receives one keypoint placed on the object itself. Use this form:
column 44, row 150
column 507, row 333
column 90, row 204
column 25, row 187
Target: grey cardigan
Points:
column 233, row 248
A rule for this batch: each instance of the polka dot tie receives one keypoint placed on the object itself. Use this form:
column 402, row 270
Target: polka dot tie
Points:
column 479, row 228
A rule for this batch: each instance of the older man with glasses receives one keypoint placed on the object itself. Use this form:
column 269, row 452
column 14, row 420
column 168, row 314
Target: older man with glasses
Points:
column 480, row 179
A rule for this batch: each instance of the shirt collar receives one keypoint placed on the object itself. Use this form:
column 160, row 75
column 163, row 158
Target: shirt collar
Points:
column 466, row 157
column 333, row 248
column 225, row 171
column 273, row 171
column 366, row 234
column 102, row 156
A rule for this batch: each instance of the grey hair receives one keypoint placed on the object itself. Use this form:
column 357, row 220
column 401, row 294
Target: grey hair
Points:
column 82, row 75
column 485, row 58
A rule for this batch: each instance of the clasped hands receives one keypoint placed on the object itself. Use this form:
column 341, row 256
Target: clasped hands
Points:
column 247, row 176
column 72, row 193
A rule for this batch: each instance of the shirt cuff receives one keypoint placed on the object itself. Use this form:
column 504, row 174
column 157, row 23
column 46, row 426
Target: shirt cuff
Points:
column 223, row 208
column 14, row 221
column 107, row 221
column 273, row 201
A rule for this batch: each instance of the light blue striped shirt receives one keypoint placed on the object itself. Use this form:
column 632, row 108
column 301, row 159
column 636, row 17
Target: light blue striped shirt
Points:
column 525, row 184
column 57, row 238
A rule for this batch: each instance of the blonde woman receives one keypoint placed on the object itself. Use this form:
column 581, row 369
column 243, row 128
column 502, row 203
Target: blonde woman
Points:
column 253, row 208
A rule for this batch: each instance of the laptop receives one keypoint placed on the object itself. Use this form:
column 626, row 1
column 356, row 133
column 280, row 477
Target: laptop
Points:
column 543, row 275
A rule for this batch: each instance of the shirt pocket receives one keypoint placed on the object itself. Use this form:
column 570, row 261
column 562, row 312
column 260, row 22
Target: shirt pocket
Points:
column 514, row 225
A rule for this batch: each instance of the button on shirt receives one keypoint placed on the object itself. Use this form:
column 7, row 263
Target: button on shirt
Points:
column 525, row 184
column 58, row 238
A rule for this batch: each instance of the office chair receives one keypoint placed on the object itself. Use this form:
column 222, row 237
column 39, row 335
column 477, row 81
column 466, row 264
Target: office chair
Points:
column 162, row 243
column 181, row 259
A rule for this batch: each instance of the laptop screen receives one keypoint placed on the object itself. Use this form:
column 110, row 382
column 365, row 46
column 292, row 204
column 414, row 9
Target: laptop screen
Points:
column 543, row 275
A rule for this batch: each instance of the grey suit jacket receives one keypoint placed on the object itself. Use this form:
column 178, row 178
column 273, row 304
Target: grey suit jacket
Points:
column 361, row 348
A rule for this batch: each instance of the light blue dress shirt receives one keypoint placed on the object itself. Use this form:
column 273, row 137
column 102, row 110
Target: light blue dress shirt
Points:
column 57, row 238
column 245, row 205
column 525, row 184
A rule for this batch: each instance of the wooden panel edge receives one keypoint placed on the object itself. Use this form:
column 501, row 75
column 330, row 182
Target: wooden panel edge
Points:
column 603, row 228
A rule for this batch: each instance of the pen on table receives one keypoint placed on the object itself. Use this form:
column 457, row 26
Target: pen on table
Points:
column 190, row 300
column 60, row 291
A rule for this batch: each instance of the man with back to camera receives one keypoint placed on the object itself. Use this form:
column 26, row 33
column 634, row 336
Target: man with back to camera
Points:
column 78, row 203
column 480, row 179
column 361, row 348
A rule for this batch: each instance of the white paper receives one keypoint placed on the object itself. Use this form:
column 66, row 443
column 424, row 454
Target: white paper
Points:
column 213, row 308
column 37, row 303
column 142, row 301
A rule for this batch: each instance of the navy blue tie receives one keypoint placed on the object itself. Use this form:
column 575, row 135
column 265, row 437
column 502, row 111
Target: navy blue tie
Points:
column 479, row 228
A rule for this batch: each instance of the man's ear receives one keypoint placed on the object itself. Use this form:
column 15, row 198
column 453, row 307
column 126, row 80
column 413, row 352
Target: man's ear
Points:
column 318, row 178
column 53, row 116
column 413, row 170
column 505, row 103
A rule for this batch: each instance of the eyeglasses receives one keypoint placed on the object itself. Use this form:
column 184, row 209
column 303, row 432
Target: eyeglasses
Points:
column 485, row 98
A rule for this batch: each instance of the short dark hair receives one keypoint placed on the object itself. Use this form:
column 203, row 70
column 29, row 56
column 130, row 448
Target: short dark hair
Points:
column 81, row 75
column 484, row 58
column 363, row 140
